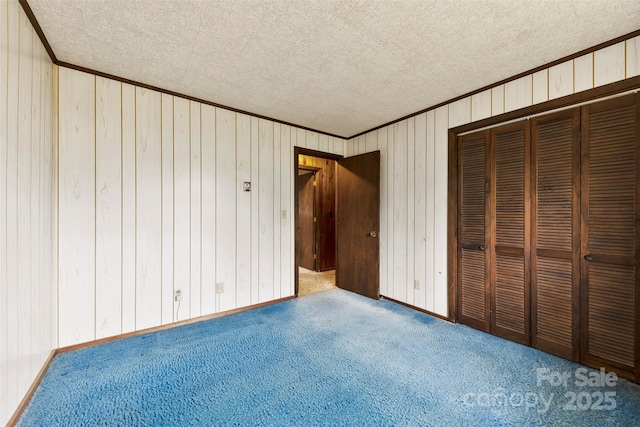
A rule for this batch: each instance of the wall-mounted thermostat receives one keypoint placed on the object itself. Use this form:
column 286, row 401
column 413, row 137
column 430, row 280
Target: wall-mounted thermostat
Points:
column 247, row 186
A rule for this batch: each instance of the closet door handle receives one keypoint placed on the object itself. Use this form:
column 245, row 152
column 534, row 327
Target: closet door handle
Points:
column 589, row 257
column 482, row 247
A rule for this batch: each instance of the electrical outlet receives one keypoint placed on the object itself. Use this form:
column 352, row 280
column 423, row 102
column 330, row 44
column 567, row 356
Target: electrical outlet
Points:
column 416, row 285
column 177, row 296
column 220, row 287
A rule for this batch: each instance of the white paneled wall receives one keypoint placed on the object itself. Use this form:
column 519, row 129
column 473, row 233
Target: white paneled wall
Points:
column 152, row 201
column 27, row 207
column 413, row 231
column 112, row 197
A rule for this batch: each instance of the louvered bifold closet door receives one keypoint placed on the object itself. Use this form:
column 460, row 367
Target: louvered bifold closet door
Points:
column 509, row 232
column 473, row 302
column 609, row 234
column 555, row 245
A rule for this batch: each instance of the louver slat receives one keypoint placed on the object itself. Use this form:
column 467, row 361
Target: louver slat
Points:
column 555, row 276
column 510, row 283
column 609, row 235
column 473, row 300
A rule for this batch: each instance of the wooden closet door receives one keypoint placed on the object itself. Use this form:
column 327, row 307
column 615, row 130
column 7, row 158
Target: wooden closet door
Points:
column 473, row 302
column 555, row 233
column 509, row 247
column 609, row 234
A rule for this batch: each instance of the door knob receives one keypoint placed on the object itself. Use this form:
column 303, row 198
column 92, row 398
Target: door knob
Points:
column 482, row 247
column 373, row 234
column 588, row 257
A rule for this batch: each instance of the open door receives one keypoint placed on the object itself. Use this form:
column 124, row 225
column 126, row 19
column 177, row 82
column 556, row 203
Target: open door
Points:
column 358, row 252
column 306, row 220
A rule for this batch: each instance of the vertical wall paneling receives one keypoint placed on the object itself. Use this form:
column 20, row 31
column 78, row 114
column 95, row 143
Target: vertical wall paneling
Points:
column 411, row 237
column 27, row 283
column 518, row 93
column 331, row 144
column 276, row 209
column 255, row 207
column 350, row 147
column 265, row 211
column 35, row 195
column 583, row 73
column 128, row 189
column 226, row 190
column 196, row 224
column 14, row 387
column 430, row 213
column 633, row 57
column 49, row 189
column 541, row 86
column 362, row 144
column 381, row 138
column 561, row 80
column 420, row 197
column 608, row 64
column 108, row 207
column 440, row 214
column 371, row 142
column 323, row 144
column 400, row 211
column 497, row 100
column 460, row 112
column 167, row 208
column 301, row 136
column 4, row 332
column 481, row 105
column 77, row 203
column 182, row 207
column 312, row 140
column 24, row 190
column 51, row 195
column 293, row 143
column 286, row 207
column 208, row 156
column 148, row 308
column 390, row 207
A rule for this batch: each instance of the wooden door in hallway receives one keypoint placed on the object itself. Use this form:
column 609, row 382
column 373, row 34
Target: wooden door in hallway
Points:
column 306, row 230
column 358, row 245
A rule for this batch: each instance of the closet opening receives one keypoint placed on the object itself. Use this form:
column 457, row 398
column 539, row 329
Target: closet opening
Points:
column 545, row 232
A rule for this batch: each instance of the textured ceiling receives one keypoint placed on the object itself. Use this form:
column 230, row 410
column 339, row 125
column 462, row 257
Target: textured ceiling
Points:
column 340, row 67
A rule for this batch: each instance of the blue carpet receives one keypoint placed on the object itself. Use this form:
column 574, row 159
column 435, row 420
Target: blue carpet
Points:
column 332, row 358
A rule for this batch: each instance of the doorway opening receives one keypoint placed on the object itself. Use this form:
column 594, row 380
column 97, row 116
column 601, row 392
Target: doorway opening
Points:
column 352, row 211
column 315, row 223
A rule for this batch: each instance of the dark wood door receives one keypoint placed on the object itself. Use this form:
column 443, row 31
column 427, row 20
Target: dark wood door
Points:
column 358, row 245
column 555, row 234
column 305, row 246
column 473, row 209
column 609, row 235
column 509, row 232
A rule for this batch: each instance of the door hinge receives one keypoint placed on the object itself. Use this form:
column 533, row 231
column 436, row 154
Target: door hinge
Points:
column 314, row 183
column 314, row 256
column 315, row 219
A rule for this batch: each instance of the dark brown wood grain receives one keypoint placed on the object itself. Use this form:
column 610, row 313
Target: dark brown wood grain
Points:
column 472, row 272
column 326, row 209
column 306, row 227
column 452, row 228
column 609, row 275
column 636, row 259
column 573, row 235
column 358, row 268
column 555, row 233
column 297, row 153
column 509, row 228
